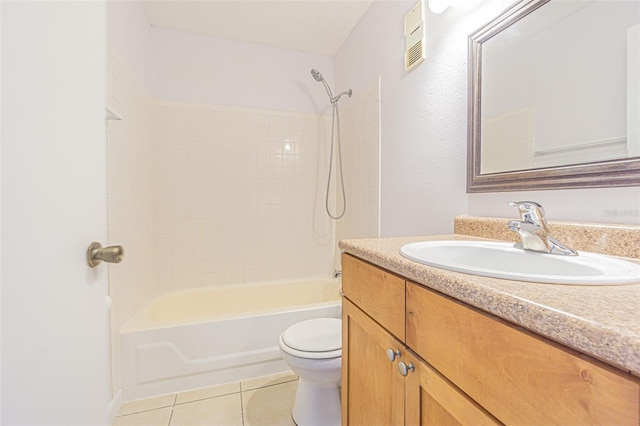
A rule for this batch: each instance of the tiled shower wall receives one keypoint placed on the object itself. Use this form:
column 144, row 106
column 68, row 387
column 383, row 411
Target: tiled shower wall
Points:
column 132, row 187
column 360, row 130
column 240, row 195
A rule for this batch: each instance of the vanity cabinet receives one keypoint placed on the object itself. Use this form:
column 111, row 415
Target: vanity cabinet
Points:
column 462, row 366
column 383, row 382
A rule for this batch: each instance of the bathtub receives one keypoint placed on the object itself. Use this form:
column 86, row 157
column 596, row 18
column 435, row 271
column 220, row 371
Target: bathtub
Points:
column 202, row 337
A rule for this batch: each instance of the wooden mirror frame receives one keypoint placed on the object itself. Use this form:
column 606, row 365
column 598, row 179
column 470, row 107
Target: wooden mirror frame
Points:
column 610, row 173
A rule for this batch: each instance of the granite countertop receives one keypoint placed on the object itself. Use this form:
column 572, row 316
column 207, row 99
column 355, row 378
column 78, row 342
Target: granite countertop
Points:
column 600, row 321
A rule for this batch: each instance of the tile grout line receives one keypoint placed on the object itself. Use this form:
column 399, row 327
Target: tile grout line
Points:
column 175, row 399
column 170, row 417
column 205, row 398
column 241, row 405
column 270, row 385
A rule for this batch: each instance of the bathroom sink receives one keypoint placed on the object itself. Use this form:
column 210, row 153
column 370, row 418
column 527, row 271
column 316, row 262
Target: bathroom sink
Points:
column 503, row 260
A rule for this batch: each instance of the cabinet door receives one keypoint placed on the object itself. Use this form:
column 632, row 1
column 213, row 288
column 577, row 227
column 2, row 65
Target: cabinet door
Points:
column 434, row 401
column 519, row 377
column 372, row 387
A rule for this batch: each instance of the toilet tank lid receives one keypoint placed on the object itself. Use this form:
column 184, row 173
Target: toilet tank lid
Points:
column 314, row 335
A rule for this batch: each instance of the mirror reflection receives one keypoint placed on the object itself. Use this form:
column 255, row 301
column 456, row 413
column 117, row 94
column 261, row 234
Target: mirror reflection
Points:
column 561, row 86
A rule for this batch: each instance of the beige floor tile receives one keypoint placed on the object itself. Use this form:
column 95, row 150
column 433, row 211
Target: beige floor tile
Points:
column 147, row 404
column 270, row 405
column 221, row 411
column 272, row 379
column 210, row 392
column 158, row 417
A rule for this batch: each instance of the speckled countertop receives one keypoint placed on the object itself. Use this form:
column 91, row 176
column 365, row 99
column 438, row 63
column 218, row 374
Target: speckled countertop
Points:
column 600, row 321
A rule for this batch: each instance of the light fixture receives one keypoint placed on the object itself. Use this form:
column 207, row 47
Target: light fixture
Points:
column 438, row 6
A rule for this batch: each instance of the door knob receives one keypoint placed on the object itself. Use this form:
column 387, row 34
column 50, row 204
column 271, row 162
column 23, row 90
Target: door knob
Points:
column 96, row 254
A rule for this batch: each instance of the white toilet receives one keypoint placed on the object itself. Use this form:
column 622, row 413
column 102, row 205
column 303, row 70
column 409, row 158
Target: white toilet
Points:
column 313, row 350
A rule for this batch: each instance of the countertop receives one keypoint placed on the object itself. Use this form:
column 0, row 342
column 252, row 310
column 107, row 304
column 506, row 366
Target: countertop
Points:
column 600, row 321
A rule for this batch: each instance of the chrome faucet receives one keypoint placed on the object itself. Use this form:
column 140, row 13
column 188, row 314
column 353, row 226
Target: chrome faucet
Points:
column 534, row 230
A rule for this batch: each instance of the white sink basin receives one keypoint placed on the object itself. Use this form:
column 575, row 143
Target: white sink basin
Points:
column 502, row 260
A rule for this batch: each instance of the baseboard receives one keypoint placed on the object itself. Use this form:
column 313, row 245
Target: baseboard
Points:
column 114, row 406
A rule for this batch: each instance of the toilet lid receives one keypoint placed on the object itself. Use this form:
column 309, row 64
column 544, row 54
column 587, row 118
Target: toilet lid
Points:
column 314, row 335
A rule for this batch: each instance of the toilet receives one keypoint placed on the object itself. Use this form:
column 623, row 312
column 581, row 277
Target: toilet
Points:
column 313, row 350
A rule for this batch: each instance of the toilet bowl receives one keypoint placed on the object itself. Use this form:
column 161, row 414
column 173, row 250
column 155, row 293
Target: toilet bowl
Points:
column 313, row 350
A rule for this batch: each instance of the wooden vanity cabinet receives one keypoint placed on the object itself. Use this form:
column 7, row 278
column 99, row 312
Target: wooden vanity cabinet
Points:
column 462, row 365
column 383, row 383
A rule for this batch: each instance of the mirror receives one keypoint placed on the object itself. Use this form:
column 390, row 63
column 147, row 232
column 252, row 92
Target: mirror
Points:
column 554, row 97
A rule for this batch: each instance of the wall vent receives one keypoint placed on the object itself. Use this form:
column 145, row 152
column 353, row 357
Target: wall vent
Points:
column 414, row 37
column 414, row 55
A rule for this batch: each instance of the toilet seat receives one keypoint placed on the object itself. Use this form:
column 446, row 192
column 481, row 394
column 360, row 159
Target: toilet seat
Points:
column 315, row 338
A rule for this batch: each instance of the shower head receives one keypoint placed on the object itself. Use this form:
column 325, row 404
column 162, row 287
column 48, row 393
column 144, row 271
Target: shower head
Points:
column 318, row 77
column 316, row 74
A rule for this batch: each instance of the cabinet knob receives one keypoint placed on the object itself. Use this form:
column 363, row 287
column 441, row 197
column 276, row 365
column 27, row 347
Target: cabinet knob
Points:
column 404, row 368
column 392, row 354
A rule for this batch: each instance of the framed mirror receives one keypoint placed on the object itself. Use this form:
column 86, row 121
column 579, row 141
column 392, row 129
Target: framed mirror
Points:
column 554, row 97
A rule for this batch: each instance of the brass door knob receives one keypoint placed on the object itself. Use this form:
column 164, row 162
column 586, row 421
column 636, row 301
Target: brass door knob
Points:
column 96, row 254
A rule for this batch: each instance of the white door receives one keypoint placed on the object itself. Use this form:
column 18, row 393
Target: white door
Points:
column 55, row 325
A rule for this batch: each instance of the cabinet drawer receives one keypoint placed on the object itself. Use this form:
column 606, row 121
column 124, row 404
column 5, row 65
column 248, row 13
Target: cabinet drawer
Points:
column 517, row 376
column 376, row 291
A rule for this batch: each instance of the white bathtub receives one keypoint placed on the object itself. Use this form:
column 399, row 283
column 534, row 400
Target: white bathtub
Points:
column 202, row 337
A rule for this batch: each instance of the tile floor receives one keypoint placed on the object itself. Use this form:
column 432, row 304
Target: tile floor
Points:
column 265, row 401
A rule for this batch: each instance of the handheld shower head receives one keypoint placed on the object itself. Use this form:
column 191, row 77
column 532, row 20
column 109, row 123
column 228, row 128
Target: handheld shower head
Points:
column 318, row 77
column 316, row 74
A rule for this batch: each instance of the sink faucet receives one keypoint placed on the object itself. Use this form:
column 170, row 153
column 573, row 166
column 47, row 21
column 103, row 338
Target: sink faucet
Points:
column 534, row 230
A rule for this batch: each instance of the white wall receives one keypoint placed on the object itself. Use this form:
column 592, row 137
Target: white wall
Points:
column 423, row 116
column 131, row 36
column 424, row 119
column 195, row 68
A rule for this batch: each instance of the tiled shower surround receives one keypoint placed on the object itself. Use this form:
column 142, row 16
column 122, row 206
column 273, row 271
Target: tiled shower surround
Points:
column 240, row 195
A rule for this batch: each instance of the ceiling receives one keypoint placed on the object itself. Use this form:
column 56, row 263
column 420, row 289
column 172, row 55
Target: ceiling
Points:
column 314, row 26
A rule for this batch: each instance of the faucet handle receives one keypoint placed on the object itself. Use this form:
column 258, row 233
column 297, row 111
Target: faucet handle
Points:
column 530, row 211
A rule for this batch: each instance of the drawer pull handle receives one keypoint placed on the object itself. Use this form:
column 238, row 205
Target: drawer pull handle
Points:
column 404, row 368
column 392, row 354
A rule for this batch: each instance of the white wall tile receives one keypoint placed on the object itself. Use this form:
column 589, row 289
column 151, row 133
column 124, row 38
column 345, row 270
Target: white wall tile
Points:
column 239, row 196
column 361, row 164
